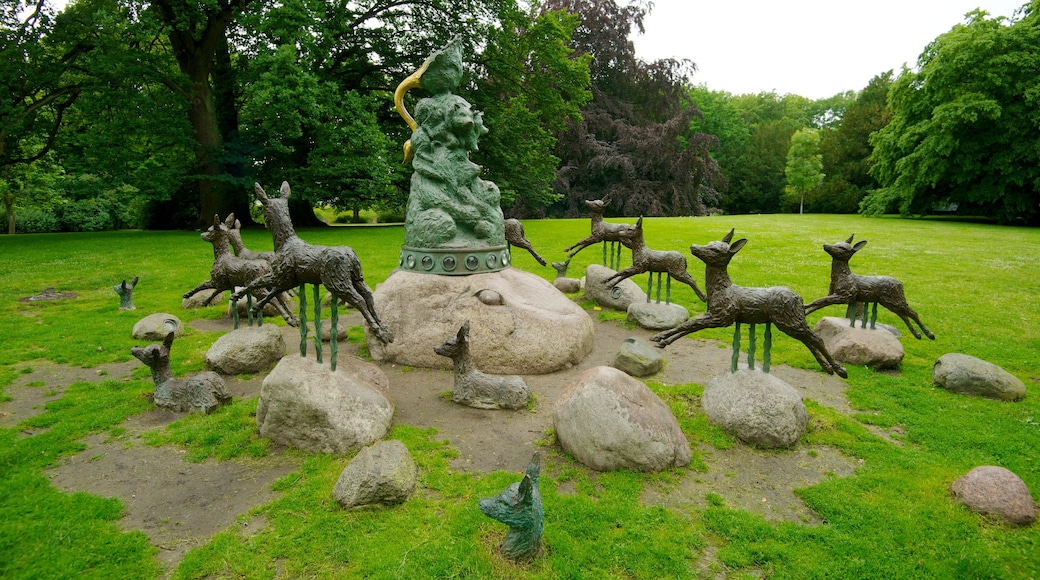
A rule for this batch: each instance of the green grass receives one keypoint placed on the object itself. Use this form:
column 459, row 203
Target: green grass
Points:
column 974, row 285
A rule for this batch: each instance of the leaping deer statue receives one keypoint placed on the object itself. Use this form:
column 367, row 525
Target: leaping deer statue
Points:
column 601, row 232
column 646, row 260
column 296, row 263
column 849, row 288
column 730, row 304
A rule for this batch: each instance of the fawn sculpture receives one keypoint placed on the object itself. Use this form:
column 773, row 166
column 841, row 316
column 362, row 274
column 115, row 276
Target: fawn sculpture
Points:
column 126, row 294
column 201, row 393
column 562, row 282
column 515, row 237
column 519, row 506
column 601, row 232
column 296, row 263
column 230, row 271
column 240, row 249
column 849, row 288
column 476, row 389
column 730, row 304
column 646, row 260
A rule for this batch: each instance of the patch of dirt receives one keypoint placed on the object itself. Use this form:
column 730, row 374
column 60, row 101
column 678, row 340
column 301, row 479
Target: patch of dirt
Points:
column 47, row 382
column 49, row 294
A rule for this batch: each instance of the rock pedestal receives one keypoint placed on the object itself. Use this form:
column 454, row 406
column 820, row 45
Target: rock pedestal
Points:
column 246, row 350
column 519, row 323
column 968, row 375
column 306, row 405
column 382, row 474
column 756, row 407
column 657, row 316
column 638, row 358
column 620, row 297
column 996, row 491
column 607, row 420
column 877, row 348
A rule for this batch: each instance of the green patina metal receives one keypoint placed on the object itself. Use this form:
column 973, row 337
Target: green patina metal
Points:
column 454, row 223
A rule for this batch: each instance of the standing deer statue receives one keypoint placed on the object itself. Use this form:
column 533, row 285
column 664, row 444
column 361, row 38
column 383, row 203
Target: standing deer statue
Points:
column 476, row 389
column 230, row 271
column 849, row 288
column 515, row 237
column 601, row 232
column 201, row 393
column 730, row 304
column 646, row 260
column 296, row 263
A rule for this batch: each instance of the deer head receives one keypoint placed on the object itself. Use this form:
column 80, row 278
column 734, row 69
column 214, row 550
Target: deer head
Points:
column 597, row 205
column 718, row 254
column 455, row 345
column 211, row 234
column 632, row 235
column 844, row 250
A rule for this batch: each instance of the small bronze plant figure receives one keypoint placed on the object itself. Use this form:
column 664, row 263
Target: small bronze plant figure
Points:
column 646, row 260
column 849, row 288
column 515, row 237
column 730, row 304
column 476, row 389
column 126, row 294
column 519, row 506
column 201, row 393
column 601, row 232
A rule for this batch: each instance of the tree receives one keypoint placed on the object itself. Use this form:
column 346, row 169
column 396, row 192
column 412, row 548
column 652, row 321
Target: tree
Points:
column 804, row 169
column 965, row 126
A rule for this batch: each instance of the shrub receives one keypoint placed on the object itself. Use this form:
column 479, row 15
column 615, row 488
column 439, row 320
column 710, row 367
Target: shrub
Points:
column 34, row 220
column 87, row 215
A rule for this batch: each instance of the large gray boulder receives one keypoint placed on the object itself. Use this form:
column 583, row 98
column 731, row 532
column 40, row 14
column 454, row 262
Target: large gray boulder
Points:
column 657, row 316
column 619, row 297
column 996, row 491
column 156, row 326
column 968, row 375
column 638, row 358
column 877, row 348
column 382, row 474
column 306, row 405
column 607, row 420
column 756, row 407
column 519, row 323
column 197, row 299
column 247, row 349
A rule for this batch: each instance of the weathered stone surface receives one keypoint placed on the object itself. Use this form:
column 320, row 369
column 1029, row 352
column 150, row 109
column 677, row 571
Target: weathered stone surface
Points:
column 536, row 330
column 756, row 407
column 157, row 326
column 638, row 358
column 655, row 316
column 196, row 300
column 607, row 420
column 968, row 375
column 248, row 349
column 620, row 297
column 996, row 491
column 567, row 285
column 877, row 348
column 382, row 474
column 306, row 405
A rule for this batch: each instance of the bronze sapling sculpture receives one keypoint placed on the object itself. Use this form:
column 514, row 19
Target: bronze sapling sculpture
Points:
column 646, row 260
column 476, row 389
column 601, row 232
column 201, row 393
column 515, row 237
column 849, row 288
column 730, row 304
column 519, row 506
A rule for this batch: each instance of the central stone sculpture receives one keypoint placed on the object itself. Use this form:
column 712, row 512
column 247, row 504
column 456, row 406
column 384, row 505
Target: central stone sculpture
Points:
column 455, row 262
column 454, row 223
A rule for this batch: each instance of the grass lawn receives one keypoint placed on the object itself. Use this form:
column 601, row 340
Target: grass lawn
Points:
column 975, row 286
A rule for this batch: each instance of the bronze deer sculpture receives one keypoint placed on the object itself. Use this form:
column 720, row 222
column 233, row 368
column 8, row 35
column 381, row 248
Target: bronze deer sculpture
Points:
column 646, row 260
column 849, row 288
column 240, row 249
column 296, row 262
column 515, row 237
column 730, row 304
column 200, row 393
column 601, row 232
column 230, row 271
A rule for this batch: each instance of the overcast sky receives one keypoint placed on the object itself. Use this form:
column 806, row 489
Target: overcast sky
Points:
column 812, row 48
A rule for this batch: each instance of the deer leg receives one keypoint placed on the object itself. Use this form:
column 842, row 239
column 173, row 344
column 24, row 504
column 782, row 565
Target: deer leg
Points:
column 334, row 333
column 873, row 317
column 626, row 273
column 751, row 349
column 317, row 321
column 736, row 349
column 303, row 319
column 706, row 320
column 684, row 277
column 667, row 290
column 354, row 298
column 283, row 309
column 580, row 246
column 801, row 332
column 819, row 303
column 650, row 287
column 203, row 286
column 619, row 246
column 905, row 312
column 768, row 340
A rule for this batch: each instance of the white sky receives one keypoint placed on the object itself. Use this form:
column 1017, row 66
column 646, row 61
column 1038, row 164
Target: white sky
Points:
column 812, row 48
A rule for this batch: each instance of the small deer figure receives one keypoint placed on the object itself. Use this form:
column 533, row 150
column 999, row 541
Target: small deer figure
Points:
column 126, row 294
column 646, row 260
column 296, row 262
column 519, row 506
column 730, row 304
column 849, row 288
column 515, row 237
column 601, row 231
column 201, row 393
column 240, row 249
column 229, row 271
column 476, row 389
column 562, row 282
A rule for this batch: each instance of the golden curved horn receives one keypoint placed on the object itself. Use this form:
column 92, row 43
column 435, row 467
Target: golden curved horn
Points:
column 414, row 80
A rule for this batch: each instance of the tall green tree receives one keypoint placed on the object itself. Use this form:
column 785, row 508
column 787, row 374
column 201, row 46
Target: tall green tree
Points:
column 965, row 126
column 804, row 168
